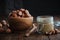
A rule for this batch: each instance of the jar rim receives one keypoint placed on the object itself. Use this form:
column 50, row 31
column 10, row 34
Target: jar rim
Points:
column 45, row 16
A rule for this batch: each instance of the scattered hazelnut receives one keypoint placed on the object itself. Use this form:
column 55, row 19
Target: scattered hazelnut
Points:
column 53, row 32
column 57, row 31
column 4, row 22
column 1, row 30
column 8, row 30
column 0, row 25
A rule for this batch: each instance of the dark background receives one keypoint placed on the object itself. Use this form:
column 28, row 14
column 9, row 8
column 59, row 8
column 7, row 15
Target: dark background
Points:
column 43, row 7
column 35, row 7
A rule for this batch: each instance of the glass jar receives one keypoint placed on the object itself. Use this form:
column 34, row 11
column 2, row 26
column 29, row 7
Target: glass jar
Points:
column 45, row 23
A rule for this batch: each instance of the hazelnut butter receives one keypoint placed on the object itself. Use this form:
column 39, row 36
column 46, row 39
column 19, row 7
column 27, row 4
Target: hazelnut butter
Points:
column 45, row 24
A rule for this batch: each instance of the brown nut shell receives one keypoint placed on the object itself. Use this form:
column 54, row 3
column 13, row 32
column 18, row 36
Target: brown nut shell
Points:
column 8, row 30
column 0, row 25
column 57, row 31
column 1, row 30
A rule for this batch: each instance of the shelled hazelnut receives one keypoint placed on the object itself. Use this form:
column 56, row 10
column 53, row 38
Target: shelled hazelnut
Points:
column 20, row 13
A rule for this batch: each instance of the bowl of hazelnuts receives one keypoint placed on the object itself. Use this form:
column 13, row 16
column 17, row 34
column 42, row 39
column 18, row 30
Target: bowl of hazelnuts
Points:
column 20, row 19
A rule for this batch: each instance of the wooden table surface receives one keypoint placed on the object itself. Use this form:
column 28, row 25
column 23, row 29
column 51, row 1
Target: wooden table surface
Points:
column 33, row 36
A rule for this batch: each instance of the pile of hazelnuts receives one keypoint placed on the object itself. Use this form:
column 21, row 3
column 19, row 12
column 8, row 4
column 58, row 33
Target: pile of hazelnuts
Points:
column 20, row 13
column 4, row 27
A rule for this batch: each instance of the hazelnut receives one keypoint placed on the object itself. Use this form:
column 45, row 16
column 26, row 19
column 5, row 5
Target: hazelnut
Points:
column 8, row 30
column 27, row 14
column 14, row 11
column 53, row 32
column 23, row 15
column 1, row 30
column 18, row 10
column 57, row 31
column 4, row 22
column 0, row 25
column 14, row 15
column 22, row 9
column 19, row 14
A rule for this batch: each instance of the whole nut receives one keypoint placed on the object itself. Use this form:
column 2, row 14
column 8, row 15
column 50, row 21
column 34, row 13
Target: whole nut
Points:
column 8, row 30
column 1, row 30
column 13, row 14
column 53, row 32
column 18, row 11
column 4, row 22
column 57, row 31
column 22, row 9
column 0, row 25
column 19, row 14
column 27, row 13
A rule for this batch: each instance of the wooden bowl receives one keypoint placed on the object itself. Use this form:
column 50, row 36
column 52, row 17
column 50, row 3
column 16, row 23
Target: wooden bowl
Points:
column 20, row 23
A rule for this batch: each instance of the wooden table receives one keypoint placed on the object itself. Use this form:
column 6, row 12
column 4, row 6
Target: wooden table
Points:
column 33, row 36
